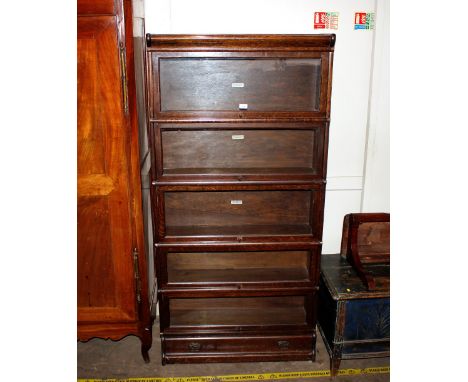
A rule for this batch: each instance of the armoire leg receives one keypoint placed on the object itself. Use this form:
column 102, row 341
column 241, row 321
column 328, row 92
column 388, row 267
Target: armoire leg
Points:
column 146, row 342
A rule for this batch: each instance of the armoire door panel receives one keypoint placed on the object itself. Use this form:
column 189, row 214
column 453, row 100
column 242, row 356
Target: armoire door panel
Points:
column 94, row 232
column 106, row 288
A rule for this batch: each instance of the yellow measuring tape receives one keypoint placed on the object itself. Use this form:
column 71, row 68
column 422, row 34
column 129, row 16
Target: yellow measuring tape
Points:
column 251, row 377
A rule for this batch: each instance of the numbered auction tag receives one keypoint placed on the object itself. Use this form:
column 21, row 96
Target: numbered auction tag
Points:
column 237, row 137
column 237, row 85
column 243, row 106
column 236, row 201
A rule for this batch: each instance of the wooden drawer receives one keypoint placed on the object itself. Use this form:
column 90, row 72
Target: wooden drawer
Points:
column 240, row 212
column 196, row 345
column 238, row 266
column 240, row 151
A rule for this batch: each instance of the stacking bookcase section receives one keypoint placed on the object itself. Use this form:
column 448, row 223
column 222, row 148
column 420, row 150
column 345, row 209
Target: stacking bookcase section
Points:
column 237, row 77
column 239, row 212
column 238, row 126
column 239, row 151
column 245, row 327
column 239, row 266
column 234, row 312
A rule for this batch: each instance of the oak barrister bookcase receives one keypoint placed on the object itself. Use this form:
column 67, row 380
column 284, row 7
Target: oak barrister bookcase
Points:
column 238, row 126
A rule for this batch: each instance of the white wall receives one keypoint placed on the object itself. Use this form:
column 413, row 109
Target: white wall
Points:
column 351, row 83
column 376, row 192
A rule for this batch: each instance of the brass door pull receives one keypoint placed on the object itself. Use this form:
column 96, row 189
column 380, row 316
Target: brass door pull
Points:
column 283, row 344
column 194, row 346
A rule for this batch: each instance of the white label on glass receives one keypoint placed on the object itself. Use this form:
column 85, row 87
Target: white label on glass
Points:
column 237, row 137
column 236, row 201
column 243, row 106
column 237, row 85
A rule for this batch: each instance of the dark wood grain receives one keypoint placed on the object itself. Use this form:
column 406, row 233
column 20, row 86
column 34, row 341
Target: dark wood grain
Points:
column 206, row 152
column 267, row 84
column 354, row 321
column 241, row 266
column 199, row 212
column 236, row 356
column 256, row 208
column 246, row 290
column 238, row 348
column 243, row 151
column 343, row 282
column 209, row 349
column 238, row 282
column 268, row 311
column 290, row 90
column 365, row 241
column 374, row 242
column 239, row 151
column 254, row 42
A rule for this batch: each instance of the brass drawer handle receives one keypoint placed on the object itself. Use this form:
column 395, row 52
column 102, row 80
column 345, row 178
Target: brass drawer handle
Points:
column 194, row 346
column 283, row 344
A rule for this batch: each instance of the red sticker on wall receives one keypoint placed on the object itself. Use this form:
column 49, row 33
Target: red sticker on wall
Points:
column 363, row 20
column 326, row 20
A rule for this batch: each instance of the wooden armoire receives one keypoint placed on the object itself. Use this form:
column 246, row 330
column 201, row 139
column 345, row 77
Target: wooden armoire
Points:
column 112, row 269
column 238, row 128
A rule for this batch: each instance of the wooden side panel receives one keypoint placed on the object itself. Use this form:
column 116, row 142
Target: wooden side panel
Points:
column 367, row 319
column 327, row 314
column 374, row 242
column 106, row 288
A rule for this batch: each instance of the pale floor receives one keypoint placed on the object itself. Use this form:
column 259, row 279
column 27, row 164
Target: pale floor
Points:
column 102, row 359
